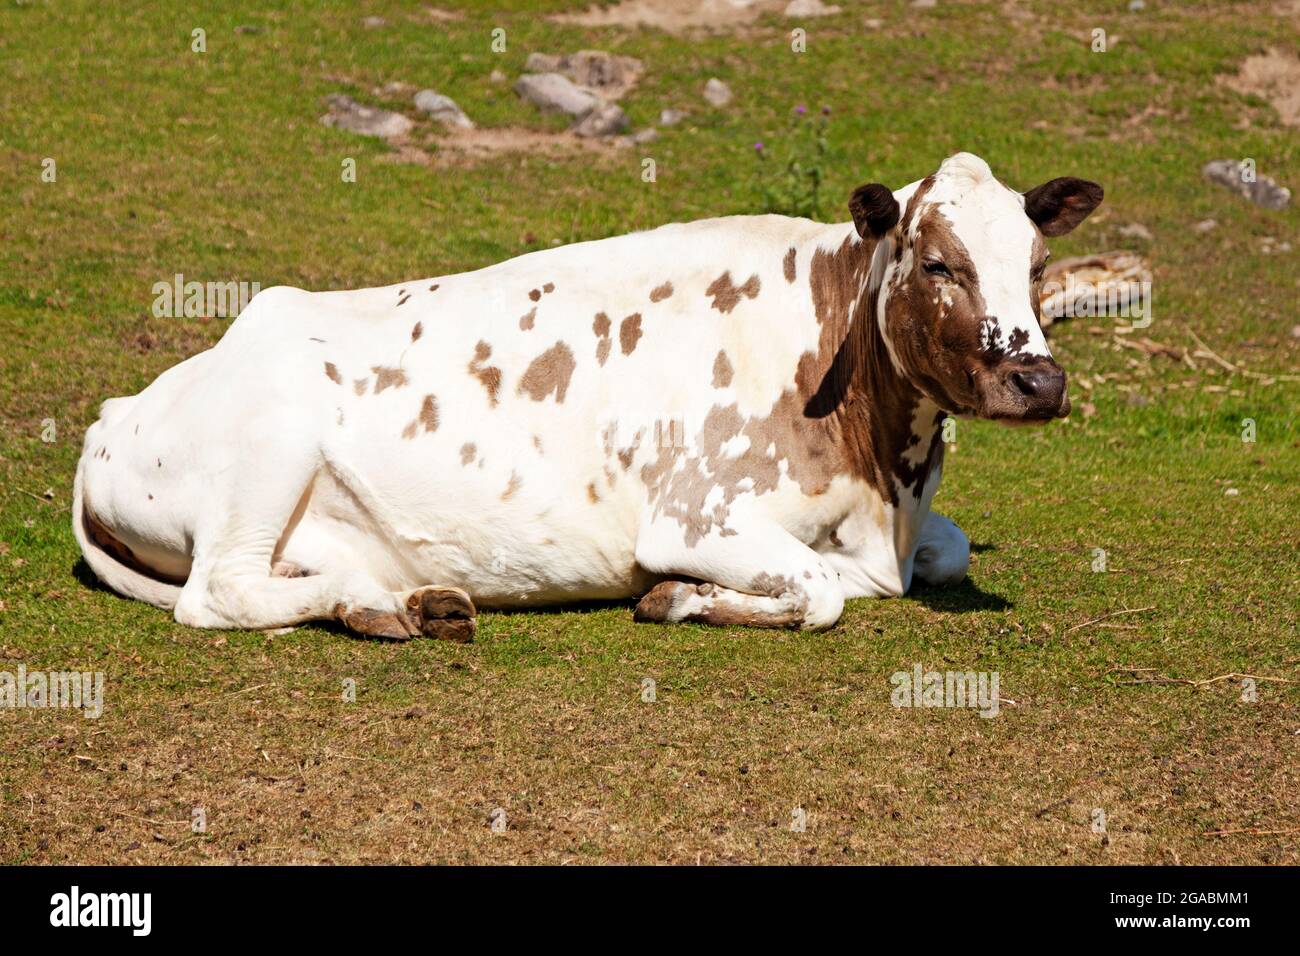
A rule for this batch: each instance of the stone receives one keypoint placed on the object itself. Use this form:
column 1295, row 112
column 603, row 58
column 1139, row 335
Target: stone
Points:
column 809, row 8
column 443, row 109
column 607, row 119
column 551, row 91
column 717, row 93
column 1263, row 191
column 605, row 74
column 347, row 114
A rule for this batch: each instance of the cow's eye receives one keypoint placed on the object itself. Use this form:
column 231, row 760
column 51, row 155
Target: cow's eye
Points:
column 936, row 268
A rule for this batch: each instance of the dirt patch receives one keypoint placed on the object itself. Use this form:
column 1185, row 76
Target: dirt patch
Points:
column 675, row 16
column 1273, row 76
column 473, row 146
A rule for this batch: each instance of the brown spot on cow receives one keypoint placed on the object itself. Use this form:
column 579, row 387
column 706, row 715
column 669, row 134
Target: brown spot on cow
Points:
column 387, row 378
column 416, row 331
column 629, row 332
column 787, row 264
column 601, row 327
column 429, row 414
column 426, row 419
column 549, row 287
column 489, row 376
column 404, row 299
column 528, row 319
column 332, row 373
column 722, row 370
column 592, row 494
column 537, row 443
column 661, row 292
column 515, row 482
column 726, row 295
column 535, row 294
column 359, row 385
column 549, row 374
column 434, row 287
column 467, row 453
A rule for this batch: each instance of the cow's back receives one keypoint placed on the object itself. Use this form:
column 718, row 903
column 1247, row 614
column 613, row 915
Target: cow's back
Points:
column 500, row 430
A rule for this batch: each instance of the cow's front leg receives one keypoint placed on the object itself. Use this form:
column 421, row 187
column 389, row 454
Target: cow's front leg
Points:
column 942, row 552
column 757, row 575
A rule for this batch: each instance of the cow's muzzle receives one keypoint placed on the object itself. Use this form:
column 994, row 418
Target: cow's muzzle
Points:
column 1024, row 390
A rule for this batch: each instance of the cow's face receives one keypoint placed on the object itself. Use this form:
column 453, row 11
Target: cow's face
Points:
column 959, row 283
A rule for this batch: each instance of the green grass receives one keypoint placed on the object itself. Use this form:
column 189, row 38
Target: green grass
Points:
column 215, row 166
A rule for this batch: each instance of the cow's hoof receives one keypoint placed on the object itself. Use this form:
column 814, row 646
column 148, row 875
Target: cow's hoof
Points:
column 389, row 625
column 657, row 605
column 445, row 614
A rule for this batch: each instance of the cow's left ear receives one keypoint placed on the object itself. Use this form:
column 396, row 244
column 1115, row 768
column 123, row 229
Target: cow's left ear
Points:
column 1059, row 205
column 874, row 208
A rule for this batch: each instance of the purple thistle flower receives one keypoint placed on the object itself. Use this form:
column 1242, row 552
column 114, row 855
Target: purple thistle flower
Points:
column 758, row 147
column 826, row 111
column 801, row 109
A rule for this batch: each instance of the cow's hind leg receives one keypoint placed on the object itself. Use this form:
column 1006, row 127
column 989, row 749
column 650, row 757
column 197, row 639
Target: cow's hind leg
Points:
column 232, row 583
column 758, row 575
column 225, row 598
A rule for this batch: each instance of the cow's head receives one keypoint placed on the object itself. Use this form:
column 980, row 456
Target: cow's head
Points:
column 958, row 271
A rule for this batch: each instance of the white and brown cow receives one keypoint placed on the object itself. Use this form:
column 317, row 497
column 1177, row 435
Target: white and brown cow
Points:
column 734, row 420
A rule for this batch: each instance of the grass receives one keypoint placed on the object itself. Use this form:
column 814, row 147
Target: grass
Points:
column 214, row 165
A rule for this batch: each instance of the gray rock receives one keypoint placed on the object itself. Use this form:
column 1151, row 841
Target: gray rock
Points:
column 1206, row 225
column 1264, row 191
column 648, row 135
column 671, row 117
column 542, row 63
column 809, row 8
column 551, row 91
column 346, row 113
column 607, row 119
column 605, row 74
column 717, row 93
column 1135, row 230
column 443, row 109
column 371, row 23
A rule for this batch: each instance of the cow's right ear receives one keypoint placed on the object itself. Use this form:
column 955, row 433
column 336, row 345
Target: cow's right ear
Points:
column 874, row 208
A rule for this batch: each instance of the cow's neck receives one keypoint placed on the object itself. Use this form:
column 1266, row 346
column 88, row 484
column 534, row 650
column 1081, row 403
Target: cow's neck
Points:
column 890, row 429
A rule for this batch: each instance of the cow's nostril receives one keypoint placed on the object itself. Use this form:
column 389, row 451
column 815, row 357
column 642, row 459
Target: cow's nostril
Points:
column 1027, row 383
column 1040, row 384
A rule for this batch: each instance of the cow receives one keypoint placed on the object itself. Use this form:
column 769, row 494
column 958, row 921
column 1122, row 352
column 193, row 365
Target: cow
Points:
column 735, row 421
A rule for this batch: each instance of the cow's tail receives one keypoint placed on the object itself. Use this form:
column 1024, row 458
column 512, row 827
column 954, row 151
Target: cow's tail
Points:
column 132, row 582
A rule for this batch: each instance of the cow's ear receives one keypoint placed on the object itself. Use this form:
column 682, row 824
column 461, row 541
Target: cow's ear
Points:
column 1059, row 205
column 874, row 209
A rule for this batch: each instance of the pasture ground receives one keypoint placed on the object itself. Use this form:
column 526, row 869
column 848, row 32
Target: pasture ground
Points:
column 215, row 166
